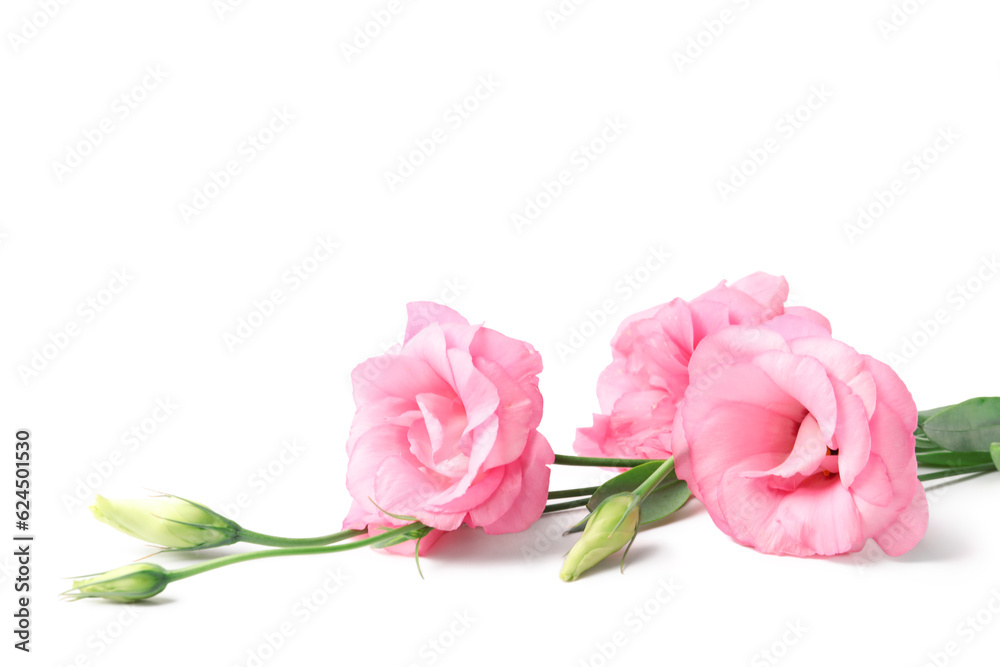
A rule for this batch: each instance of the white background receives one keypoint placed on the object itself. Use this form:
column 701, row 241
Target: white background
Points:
column 446, row 232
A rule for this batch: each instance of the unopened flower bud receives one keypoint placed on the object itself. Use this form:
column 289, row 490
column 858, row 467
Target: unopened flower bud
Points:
column 612, row 525
column 167, row 521
column 124, row 584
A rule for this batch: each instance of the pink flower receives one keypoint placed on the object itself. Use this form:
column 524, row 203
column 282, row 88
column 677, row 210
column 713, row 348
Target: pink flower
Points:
column 639, row 391
column 799, row 445
column 446, row 431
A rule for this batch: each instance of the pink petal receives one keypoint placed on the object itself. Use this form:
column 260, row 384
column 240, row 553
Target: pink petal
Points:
column 478, row 394
column 517, row 358
column 809, row 314
column 444, row 419
column 872, row 484
column 615, row 381
column 852, row 439
column 804, row 379
column 751, row 300
column 728, row 437
column 767, row 290
column 821, row 515
column 402, row 376
column 419, row 314
column 370, row 450
column 534, row 489
column 909, row 527
column 806, row 456
column 590, row 440
column 519, row 412
column 893, row 393
column 402, row 489
column 842, row 362
column 429, row 344
column 502, row 498
column 482, row 488
column 727, row 347
column 792, row 327
column 818, row 517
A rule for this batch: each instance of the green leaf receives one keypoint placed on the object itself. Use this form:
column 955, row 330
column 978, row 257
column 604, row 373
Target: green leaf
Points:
column 668, row 496
column 995, row 453
column 923, row 444
column 969, row 426
column 665, row 500
column 924, row 415
column 946, row 459
column 627, row 482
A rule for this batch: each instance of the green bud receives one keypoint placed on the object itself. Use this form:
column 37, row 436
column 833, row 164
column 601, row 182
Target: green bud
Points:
column 995, row 454
column 167, row 521
column 612, row 526
column 124, row 584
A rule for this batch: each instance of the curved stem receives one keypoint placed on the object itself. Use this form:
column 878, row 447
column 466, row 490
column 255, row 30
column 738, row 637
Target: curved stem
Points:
column 647, row 486
column 565, row 460
column 216, row 563
column 967, row 470
column 272, row 541
column 572, row 493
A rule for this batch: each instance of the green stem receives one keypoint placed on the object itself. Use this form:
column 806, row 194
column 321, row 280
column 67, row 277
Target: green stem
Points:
column 271, row 541
column 647, row 486
column 570, row 504
column 564, row 460
column 216, row 563
column 967, row 470
column 572, row 493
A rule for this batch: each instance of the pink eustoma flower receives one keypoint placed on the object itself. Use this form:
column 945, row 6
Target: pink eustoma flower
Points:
column 638, row 393
column 799, row 445
column 446, row 431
